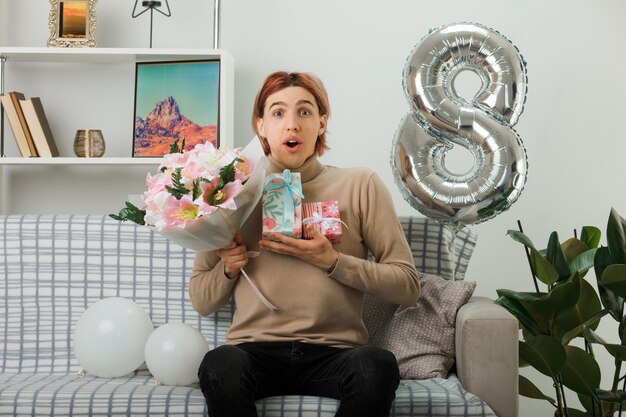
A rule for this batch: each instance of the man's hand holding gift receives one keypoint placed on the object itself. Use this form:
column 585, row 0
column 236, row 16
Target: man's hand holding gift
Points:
column 317, row 250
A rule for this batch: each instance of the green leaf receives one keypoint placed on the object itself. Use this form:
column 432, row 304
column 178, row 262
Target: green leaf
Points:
column 573, row 247
column 617, row 351
column 130, row 213
column 618, row 396
column 616, row 237
column 524, row 318
column 521, row 238
column 581, row 372
column 583, row 262
column 227, row 173
column 522, row 296
column 197, row 191
column 614, row 279
column 178, row 190
column 577, row 331
column 544, row 270
column 590, row 403
column 174, row 147
column 609, row 299
column 560, row 299
column 586, row 311
column 528, row 389
column 590, row 236
column 556, row 257
column 544, row 353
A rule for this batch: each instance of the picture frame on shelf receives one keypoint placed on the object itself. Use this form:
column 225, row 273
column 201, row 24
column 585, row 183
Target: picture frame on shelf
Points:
column 72, row 23
column 175, row 101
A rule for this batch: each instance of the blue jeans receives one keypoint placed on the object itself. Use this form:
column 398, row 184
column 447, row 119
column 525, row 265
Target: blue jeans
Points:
column 233, row 377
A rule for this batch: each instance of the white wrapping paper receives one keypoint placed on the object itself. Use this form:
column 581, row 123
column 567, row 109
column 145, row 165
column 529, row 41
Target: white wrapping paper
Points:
column 218, row 229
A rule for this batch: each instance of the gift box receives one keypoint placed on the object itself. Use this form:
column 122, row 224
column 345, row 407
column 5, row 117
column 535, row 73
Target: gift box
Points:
column 282, row 204
column 324, row 216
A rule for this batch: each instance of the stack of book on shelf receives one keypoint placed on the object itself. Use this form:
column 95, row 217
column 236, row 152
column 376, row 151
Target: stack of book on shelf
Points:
column 29, row 124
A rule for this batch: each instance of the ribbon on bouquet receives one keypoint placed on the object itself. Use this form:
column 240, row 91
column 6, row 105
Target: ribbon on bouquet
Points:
column 317, row 218
column 291, row 190
column 265, row 301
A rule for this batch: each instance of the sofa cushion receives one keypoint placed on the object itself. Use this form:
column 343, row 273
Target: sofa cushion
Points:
column 437, row 249
column 39, row 395
column 422, row 336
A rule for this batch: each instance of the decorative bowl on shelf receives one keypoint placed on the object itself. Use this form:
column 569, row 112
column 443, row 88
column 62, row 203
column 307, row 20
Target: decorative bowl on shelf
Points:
column 89, row 143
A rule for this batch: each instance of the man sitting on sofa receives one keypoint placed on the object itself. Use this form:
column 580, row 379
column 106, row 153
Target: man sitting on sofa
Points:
column 315, row 342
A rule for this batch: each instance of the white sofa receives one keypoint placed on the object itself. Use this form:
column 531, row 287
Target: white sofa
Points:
column 53, row 267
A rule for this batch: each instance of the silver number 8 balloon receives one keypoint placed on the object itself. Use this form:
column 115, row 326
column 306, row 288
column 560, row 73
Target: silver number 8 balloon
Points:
column 442, row 119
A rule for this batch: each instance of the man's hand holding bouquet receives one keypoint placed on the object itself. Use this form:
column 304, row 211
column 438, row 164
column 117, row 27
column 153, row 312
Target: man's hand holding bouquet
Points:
column 201, row 198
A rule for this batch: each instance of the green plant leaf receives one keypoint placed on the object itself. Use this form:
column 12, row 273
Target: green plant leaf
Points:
column 178, row 190
column 197, row 190
column 522, row 296
column 614, row 279
column 560, row 299
column 544, row 270
column 615, row 237
column 577, row 331
column 617, row 351
column 589, row 403
column 586, row 311
column 525, row 319
column 590, row 236
column 130, row 213
column 521, row 238
column 610, row 301
column 583, row 262
column 544, row 353
column 530, row 390
column 174, row 147
column 581, row 372
column 573, row 247
column 556, row 257
column 227, row 173
column 618, row 396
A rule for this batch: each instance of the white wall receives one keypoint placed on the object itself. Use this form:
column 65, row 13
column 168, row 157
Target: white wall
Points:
column 570, row 126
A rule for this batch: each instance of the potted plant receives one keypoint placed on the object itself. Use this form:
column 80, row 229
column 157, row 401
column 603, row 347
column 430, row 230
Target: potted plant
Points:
column 571, row 308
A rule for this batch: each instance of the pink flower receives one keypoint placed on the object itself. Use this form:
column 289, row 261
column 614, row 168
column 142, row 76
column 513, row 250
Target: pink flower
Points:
column 243, row 169
column 156, row 183
column 174, row 160
column 223, row 198
column 230, row 191
column 178, row 213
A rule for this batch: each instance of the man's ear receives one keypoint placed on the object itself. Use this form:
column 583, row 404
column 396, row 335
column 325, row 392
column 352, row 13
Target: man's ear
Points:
column 323, row 120
column 260, row 127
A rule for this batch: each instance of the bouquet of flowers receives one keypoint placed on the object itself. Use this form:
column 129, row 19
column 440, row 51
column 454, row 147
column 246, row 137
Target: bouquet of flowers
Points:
column 200, row 198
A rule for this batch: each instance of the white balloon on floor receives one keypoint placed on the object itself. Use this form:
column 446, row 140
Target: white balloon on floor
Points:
column 174, row 352
column 110, row 337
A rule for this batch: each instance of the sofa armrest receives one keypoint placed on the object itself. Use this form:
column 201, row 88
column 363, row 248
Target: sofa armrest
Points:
column 487, row 354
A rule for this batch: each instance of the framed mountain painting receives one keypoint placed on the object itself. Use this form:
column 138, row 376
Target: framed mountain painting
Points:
column 175, row 102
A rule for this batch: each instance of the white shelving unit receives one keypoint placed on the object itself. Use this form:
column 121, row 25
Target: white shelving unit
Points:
column 17, row 161
column 50, row 69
